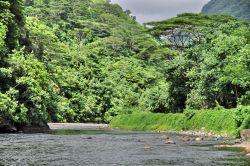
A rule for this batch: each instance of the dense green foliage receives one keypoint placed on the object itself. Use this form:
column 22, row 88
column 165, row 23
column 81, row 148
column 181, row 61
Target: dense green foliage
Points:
column 237, row 8
column 14, row 95
column 217, row 121
column 213, row 65
column 88, row 61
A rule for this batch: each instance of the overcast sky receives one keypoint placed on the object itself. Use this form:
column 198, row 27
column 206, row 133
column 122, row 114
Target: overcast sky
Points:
column 152, row 10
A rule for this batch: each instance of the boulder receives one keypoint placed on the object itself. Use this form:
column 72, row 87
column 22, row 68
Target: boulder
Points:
column 246, row 149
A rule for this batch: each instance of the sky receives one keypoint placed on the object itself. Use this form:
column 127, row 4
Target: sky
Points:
column 154, row 10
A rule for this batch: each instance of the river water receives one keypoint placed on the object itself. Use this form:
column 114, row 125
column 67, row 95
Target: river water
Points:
column 111, row 148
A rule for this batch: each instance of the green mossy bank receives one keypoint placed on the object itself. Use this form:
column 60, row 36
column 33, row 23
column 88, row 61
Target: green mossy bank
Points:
column 217, row 121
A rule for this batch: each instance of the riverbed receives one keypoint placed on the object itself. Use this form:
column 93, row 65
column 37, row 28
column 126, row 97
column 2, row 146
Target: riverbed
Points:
column 111, row 148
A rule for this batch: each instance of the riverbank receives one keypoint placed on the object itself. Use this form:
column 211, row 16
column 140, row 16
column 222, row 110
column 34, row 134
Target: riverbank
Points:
column 226, row 123
column 92, row 126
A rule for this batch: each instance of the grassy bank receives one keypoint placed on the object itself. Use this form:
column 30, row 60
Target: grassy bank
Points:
column 218, row 121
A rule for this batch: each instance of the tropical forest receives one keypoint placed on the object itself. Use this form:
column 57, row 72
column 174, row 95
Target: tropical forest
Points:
column 90, row 61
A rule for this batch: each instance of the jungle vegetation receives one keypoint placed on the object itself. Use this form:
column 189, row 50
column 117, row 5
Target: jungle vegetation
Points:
column 89, row 60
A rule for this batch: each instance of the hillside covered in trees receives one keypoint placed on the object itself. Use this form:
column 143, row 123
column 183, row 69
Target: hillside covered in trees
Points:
column 236, row 8
column 88, row 61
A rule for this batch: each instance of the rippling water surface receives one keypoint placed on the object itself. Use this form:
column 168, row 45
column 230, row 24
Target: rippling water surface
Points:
column 110, row 148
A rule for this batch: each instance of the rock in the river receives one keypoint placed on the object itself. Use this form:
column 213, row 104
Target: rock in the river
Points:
column 248, row 154
column 164, row 137
column 6, row 127
column 170, row 142
column 199, row 139
column 246, row 149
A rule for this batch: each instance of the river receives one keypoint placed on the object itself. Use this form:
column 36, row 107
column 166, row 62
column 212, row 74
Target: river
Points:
column 111, row 148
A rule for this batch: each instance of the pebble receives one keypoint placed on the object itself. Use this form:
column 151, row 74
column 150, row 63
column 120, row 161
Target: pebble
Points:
column 198, row 139
column 164, row 137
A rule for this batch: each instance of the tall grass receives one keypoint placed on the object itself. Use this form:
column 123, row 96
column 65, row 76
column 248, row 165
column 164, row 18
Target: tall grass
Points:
column 218, row 121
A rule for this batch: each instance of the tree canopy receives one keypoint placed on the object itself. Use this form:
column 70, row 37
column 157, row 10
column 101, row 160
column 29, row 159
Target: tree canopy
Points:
column 88, row 61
